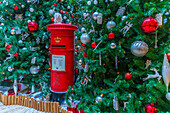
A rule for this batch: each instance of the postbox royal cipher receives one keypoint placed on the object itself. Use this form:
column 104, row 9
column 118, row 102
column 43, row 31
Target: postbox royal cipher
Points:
column 62, row 56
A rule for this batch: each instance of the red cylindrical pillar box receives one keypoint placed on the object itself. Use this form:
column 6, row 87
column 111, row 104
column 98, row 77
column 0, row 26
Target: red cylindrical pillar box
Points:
column 62, row 56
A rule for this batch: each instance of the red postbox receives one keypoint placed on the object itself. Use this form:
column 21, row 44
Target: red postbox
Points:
column 62, row 56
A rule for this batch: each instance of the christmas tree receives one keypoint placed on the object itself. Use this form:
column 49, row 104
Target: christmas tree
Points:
column 24, row 38
column 120, row 67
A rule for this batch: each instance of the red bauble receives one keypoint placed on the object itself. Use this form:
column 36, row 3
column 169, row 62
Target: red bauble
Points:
column 83, row 44
column 83, row 65
column 72, row 15
column 84, row 54
column 149, row 25
column 8, row 47
column 111, row 36
column 128, row 76
column 16, row 7
column 32, row 26
column 168, row 56
column 16, row 54
column 149, row 108
column 93, row 45
column 65, row 12
column 77, row 70
column 55, row 4
column 61, row 11
column 52, row 19
column 0, row 2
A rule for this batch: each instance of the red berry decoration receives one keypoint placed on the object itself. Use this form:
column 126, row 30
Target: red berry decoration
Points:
column 52, row 19
column 83, row 44
column 128, row 76
column 84, row 54
column 16, row 7
column 32, row 26
column 83, row 65
column 16, row 54
column 77, row 70
column 168, row 56
column 149, row 108
column 111, row 36
column 55, row 4
column 72, row 15
column 149, row 25
column 8, row 47
column 61, row 11
column 93, row 45
column 65, row 12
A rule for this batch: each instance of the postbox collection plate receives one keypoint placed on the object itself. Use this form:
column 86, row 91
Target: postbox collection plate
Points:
column 58, row 62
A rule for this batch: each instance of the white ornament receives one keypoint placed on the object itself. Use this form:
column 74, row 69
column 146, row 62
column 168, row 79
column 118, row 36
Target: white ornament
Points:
column 120, row 11
column 20, row 41
column 159, row 18
column 38, row 40
column 33, row 60
column 10, row 69
column 51, row 12
column 156, row 75
column 2, row 24
column 112, row 0
column 95, row 2
column 168, row 96
column 89, row 2
column 110, row 24
column 31, row 9
column 123, row 17
column 57, row 18
column 22, row 6
column 100, row 18
column 95, row 14
column 113, row 45
column 148, row 63
column 115, row 103
column 34, row 69
column 18, row 30
column 68, row 7
column 13, row 31
column 24, row 48
column 83, row 29
column 65, row 17
column 166, row 73
column 29, row 21
column 126, row 28
column 15, row 87
column 85, row 38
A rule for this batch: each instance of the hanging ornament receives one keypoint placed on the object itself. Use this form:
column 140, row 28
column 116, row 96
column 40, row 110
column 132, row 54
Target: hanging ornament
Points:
column 168, row 56
column 68, row 7
column 16, row 7
column 112, row 0
column 10, row 69
column 84, row 54
column 32, row 26
column 166, row 74
column 19, row 16
column 72, row 15
column 123, row 18
column 52, row 19
column 156, row 39
column 51, row 12
column 99, row 18
column 13, row 31
column 93, row 45
column 99, row 98
column 20, row 41
column 120, row 11
column 139, row 48
column 85, row 38
column 55, row 4
column 149, row 25
column 100, row 58
column 78, row 47
column 17, row 30
column 116, row 63
column 80, row 62
column 159, row 18
column 31, row 9
column 15, row 87
column 111, row 36
column 16, row 54
column 149, row 108
column 86, row 69
column 33, row 60
column 83, row 44
column 156, row 75
column 8, row 47
column 23, row 6
column 95, row 2
column 24, row 48
column 2, row 24
column 57, row 18
column 64, row 17
column 24, row 36
column 148, row 63
column 38, row 40
column 89, row 2
column 95, row 14
column 110, row 24
column 34, row 69
column 128, row 76
column 77, row 70
column 83, row 29
column 115, row 103
column 61, row 11
column 126, row 28
column 113, row 45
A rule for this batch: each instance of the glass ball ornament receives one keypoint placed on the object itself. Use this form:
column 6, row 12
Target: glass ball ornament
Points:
column 64, row 17
column 139, row 48
column 98, row 99
column 1, row 27
column 78, row 47
column 168, row 96
column 31, row 9
column 149, row 25
column 95, row 2
column 10, row 69
column 29, row 14
column 80, row 62
column 123, row 17
column 95, row 14
column 24, row 48
column 34, row 69
column 23, row 6
column 68, row 7
column 20, row 41
column 83, row 29
column 32, row 26
column 85, row 38
column 28, row 21
column 110, row 24
column 89, row 2
column 75, row 38
column 2, row 24
column 51, row 12
column 13, row 31
column 113, row 45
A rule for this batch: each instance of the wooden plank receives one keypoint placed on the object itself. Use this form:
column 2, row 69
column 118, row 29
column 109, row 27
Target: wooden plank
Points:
column 19, row 100
column 46, row 106
column 52, row 107
column 32, row 102
column 6, row 100
column 12, row 100
column 56, row 107
column 29, row 102
column 49, row 107
column 2, row 98
column 43, row 106
column 22, row 100
column 35, row 104
column 16, row 100
column 9, row 100
column 38, row 104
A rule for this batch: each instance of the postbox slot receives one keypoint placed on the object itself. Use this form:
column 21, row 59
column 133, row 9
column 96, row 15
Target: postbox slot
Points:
column 58, row 46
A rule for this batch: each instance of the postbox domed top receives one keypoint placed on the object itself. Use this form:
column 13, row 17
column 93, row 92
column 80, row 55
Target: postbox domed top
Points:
column 62, row 26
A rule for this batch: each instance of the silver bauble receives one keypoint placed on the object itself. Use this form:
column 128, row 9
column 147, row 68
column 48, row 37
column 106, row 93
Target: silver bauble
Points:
column 124, row 17
column 98, row 99
column 20, row 41
column 75, row 38
column 51, row 12
column 28, row 1
column 89, row 2
column 22, row 6
column 95, row 2
column 168, row 96
column 31, row 9
column 29, row 21
column 95, row 14
column 139, row 48
column 10, row 69
column 13, row 31
column 1, row 27
column 80, row 62
column 78, row 47
column 110, row 24
column 113, row 45
column 68, row 7
column 85, row 38
column 29, row 14
column 2, row 24
column 112, row 0
column 24, row 48
column 34, row 69
column 65, row 17
column 83, row 29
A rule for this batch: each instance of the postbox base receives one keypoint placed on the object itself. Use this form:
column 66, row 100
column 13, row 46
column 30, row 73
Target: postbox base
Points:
column 57, row 96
